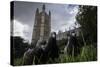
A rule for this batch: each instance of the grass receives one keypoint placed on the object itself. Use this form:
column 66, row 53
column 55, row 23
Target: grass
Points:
column 18, row 61
column 88, row 53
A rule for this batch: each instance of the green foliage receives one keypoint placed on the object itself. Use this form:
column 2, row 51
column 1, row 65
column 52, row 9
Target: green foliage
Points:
column 19, row 46
column 17, row 50
column 87, row 18
column 18, row 61
column 88, row 53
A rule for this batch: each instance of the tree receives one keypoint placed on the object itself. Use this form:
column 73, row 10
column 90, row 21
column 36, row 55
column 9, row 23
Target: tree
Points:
column 19, row 46
column 87, row 18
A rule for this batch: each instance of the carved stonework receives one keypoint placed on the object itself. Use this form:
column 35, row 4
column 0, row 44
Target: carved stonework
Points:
column 42, row 26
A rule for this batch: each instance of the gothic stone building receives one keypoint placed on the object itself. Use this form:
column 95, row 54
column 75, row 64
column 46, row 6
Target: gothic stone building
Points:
column 64, row 35
column 42, row 26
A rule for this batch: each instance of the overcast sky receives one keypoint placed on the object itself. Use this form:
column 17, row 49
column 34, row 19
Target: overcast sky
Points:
column 62, row 17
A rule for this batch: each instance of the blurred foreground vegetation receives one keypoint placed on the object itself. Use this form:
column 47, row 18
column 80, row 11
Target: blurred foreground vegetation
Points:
column 88, row 53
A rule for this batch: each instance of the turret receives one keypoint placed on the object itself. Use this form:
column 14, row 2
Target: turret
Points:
column 37, row 11
column 49, row 14
column 43, row 8
column 36, row 15
column 49, row 22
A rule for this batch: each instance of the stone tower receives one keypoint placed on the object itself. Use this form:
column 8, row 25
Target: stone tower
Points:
column 42, row 26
